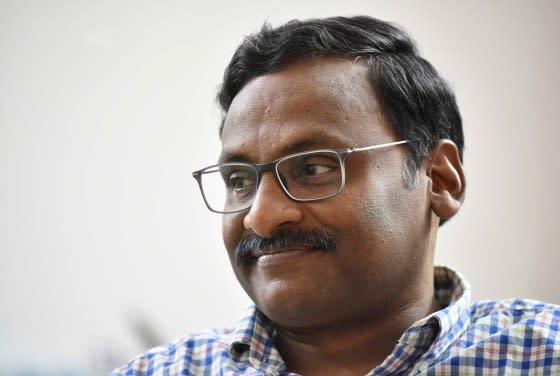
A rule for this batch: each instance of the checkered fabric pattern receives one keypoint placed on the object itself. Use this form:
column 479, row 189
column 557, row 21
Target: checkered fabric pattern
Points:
column 507, row 337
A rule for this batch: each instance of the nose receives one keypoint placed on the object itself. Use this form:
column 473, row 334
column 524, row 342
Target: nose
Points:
column 271, row 208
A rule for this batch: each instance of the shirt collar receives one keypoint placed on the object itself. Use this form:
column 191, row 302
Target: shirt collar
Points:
column 454, row 319
column 251, row 340
column 433, row 334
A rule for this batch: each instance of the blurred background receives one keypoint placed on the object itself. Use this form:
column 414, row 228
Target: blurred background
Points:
column 106, row 107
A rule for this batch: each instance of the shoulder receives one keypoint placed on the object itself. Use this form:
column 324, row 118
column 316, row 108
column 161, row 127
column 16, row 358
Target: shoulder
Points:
column 192, row 354
column 525, row 332
column 514, row 312
column 514, row 336
column 212, row 352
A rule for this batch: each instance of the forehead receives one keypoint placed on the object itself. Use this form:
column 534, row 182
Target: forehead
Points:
column 322, row 101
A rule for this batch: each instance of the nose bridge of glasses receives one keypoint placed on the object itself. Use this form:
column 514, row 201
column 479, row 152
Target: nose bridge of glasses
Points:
column 271, row 166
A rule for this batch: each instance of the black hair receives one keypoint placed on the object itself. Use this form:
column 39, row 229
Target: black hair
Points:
column 414, row 99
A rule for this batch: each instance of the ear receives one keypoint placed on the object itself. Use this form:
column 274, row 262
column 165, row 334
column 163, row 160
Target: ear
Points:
column 447, row 191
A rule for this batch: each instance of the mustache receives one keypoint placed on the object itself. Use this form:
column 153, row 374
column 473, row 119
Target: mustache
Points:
column 251, row 245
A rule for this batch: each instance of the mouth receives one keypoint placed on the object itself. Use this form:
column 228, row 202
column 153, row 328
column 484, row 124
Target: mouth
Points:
column 257, row 253
column 270, row 255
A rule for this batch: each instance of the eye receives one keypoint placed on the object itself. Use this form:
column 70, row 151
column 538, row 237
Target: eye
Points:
column 316, row 165
column 315, row 169
column 240, row 180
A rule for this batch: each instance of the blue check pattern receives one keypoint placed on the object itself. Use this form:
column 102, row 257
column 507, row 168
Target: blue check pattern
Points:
column 507, row 337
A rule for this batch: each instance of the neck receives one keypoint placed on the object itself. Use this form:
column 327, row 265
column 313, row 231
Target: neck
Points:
column 351, row 347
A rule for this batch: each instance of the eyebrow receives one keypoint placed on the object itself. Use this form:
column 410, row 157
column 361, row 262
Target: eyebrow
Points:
column 315, row 141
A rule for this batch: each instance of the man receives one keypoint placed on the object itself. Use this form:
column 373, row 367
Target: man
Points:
column 341, row 157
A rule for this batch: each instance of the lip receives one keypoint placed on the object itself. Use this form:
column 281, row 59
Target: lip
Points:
column 273, row 256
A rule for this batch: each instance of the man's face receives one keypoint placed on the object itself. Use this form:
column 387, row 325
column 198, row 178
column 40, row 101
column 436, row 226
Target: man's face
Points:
column 381, row 226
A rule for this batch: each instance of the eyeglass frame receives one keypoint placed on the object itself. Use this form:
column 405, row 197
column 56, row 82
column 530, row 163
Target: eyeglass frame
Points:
column 273, row 166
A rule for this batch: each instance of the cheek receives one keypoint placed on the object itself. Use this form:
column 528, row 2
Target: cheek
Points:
column 383, row 210
column 396, row 215
column 375, row 205
column 232, row 231
column 380, row 205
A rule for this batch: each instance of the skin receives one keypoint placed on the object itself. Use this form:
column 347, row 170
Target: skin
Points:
column 337, row 313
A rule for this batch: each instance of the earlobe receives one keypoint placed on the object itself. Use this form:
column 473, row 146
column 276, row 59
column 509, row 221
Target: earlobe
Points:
column 447, row 191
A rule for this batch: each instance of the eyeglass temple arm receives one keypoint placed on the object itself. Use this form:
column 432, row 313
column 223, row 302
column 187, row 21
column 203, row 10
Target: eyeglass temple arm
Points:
column 378, row 146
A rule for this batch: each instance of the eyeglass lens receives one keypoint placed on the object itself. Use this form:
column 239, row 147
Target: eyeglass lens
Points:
column 305, row 176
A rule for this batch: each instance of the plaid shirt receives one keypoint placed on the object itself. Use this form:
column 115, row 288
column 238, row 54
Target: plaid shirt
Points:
column 508, row 337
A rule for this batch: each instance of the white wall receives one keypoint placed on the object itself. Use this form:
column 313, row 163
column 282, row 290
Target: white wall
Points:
column 106, row 107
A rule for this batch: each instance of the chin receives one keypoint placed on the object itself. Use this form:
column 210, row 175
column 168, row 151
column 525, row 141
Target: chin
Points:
column 291, row 305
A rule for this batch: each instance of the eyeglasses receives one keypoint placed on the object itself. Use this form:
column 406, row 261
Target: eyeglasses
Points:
column 306, row 176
